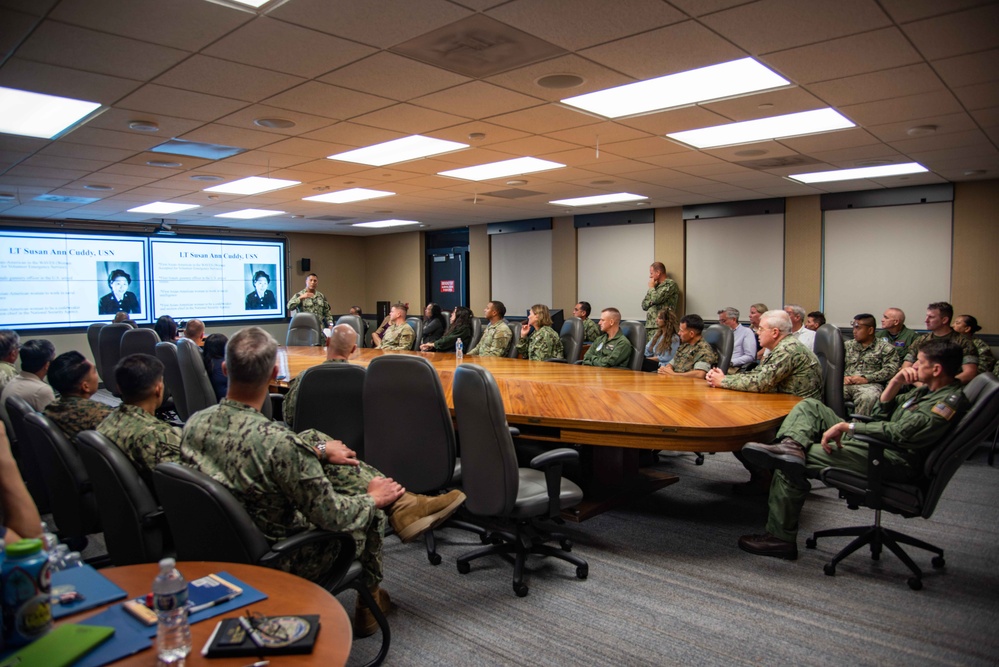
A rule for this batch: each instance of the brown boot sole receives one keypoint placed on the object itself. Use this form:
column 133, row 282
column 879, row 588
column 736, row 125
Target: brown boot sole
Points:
column 429, row 522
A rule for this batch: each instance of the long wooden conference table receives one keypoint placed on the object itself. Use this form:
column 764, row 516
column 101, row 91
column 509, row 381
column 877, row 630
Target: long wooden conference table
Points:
column 619, row 412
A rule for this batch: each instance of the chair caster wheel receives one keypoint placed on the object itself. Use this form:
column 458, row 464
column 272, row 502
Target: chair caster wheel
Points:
column 464, row 568
column 829, row 569
column 485, row 538
column 582, row 571
column 875, row 556
column 938, row 562
column 915, row 583
column 810, row 543
column 699, row 460
column 565, row 544
column 520, row 589
column 435, row 559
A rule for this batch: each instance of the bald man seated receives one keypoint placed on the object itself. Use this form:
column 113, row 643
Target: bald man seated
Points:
column 342, row 344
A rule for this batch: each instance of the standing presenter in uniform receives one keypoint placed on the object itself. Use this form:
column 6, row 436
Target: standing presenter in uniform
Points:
column 311, row 300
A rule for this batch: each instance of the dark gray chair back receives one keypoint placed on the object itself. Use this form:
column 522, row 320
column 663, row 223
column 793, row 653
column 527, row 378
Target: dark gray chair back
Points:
column 477, row 328
column 572, row 338
column 139, row 341
column 331, row 400
column 198, row 390
column 93, row 338
column 28, row 458
column 514, row 339
column 831, row 353
column 634, row 331
column 134, row 526
column 721, row 338
column 109, row 341
column 356, row 324
column 167, row 353
column 303, row 330
column 408, row 434
column 417, row 324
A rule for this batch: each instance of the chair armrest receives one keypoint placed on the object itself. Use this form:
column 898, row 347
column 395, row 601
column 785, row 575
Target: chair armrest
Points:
column 578, row 362
column 514, row 431
column 332, row 577
column 153, row 518
column 551, row 462
column 277, row 406
column 557, row 360
column 863, row 419
column 554, row 456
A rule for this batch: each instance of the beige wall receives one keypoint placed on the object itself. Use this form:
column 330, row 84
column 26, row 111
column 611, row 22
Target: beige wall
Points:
column 564, row 273
column 340, row 263
column 802, row 252
column 670, row 242
column 975, row 266
column 394, row 268
column 479, row 268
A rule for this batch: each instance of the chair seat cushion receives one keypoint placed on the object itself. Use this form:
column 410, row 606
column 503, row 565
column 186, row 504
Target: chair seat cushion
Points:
column 532, row 494
column 899, row 497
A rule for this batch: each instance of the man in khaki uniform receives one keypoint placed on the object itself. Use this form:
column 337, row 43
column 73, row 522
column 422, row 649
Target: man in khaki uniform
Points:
column 870, row 363
column 663, row 294
column 695, row 357
column 611, row 349
column 495, row 340
column 399, row 335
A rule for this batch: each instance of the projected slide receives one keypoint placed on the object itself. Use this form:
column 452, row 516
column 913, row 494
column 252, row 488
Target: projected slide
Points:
column 51, row 280
column 217, row 279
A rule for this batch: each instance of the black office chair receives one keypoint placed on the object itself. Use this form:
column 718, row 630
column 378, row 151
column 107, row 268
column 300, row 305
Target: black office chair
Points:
column 831, row 353
column 139, row 341
column 910, row 499
column 109, row 341
column 28, row 457
column 167, row 353
column 197, row 386
column 135, row 527
column 497, row 488
column 417, row 325
column 330, row 399
column 572, row 340
column 634, row 331
column 209, row 524
column 93, row 339
column 354, row 322
column 722, row 340
column 514, row 339
column 477, row 328
column 304, row 329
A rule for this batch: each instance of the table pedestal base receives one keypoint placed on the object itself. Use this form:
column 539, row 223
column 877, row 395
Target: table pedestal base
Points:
column 611, row 478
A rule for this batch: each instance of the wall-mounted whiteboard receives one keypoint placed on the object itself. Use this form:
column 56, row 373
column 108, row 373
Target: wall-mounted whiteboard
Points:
column 613, row 267
column 890, row 256
column 735, row 261
column 521, row 270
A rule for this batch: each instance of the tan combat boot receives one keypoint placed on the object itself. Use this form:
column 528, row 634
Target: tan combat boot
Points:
column 365, row 624
column 412, row 515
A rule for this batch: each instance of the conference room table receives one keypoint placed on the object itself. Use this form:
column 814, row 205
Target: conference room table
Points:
column 619, row 412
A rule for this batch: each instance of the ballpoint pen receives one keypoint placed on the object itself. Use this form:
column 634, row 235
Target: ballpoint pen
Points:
column 251, row 631
column 209, row 605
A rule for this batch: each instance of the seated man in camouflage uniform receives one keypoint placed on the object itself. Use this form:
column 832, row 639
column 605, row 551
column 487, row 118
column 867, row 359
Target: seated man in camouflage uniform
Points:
column 870, row 363
column 341, row 344
column 812, row 438
column 611, row 349
column 542, row 343
column 290, row 483
column 495, row 340
column 590, row 329
column 76, row 380
column 399, row 335
column 938, row 319
column 133, row 426
column 894, row 331
column 695, row 357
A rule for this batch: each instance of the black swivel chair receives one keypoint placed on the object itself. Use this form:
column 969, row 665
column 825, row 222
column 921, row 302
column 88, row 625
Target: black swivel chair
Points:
column 109, row 342
column 831, row 353
column 355, row 323
column 304, row 329
column 167, row 353
column 198, row 390
column 417, row 325
column 330, row 399
column 135, row 527
column 477, row 328
column 514, row 339
column 572, row 340
column 722, row 340
column 634, row 331
column 497, row 488
column 139, row 341
column 93, row 338
column 910, row 499
column 28, row 457
column 208, row 523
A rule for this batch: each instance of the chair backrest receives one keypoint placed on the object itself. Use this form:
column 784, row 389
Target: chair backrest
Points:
column 206, row 521
column 572, row 338
column 634, row 331
column 70, row 492
column 303, row 329
column 417, row 324
column 93, row 338
column 477, row 328
column 198, row 390
column 408, row 434
column 721, row 338
column 139, row 341
column 514, row 339
column 134, row 528
column 167, row 353
column 558, row 318
column 109, row 341
column 490, row 476
column 354, row 322
column 831, row 352
column 331, row 400
column 28, row 461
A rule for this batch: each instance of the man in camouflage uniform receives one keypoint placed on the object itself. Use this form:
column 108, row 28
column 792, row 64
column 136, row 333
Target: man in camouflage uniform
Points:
column 590, row 329
column 611, row 349
column 812, row 438
column 938, row 318
column 310, row 300
column 133, row 426
column 76, row 380
column 10, row 343
column 695, row 357
column 870, row 363
column 342, row 343
column 399, row 335
column 663, row 294
column 543, row 343
column 290, row 483
column 495, row 340
column 894, row 331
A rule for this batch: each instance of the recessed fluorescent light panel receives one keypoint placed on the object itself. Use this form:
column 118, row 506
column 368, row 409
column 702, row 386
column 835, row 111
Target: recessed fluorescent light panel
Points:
column 249, row 214
column 860, row 172
column 162, row 207
column 381, row 224
column 764, row 129
column 347, row 196
column 399, row 150
column 252, row 3
column 674, row 90
column 252, row 185
column 599, row 199
column 41, row 116
column 514, row 167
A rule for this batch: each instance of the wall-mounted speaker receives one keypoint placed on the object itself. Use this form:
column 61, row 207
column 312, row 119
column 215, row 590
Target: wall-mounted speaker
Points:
column 306, row 264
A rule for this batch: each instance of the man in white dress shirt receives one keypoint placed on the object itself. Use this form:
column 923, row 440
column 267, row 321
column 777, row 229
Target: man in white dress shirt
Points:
column 744, row 342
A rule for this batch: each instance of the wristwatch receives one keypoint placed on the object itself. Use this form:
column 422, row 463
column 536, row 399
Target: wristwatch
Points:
column 852, row 426
column 322, row 451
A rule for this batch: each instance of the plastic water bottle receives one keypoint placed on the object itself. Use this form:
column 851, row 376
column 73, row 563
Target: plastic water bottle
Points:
column 173, row 631
column 282, row 364
column 459, row 351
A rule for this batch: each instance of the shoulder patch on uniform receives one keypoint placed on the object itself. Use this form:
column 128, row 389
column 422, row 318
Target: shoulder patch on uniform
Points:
column 947, row 408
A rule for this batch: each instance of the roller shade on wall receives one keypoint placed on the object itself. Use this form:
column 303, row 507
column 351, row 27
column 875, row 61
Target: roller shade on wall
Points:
column 613, row 267
column 521, row 270
column 889, row 256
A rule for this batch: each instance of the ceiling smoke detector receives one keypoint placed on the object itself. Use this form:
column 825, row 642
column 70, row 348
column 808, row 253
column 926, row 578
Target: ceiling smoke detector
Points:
column 560, row 81
column 143, row 126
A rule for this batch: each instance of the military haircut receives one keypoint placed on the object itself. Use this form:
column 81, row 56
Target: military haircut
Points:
column 865, row 319
column 9, row 341
column 500, row 308
column 194, row 328
column 776, row 319
column 947, row 353
column 250, row 356
column 659, row 266
column 585, row 306
column 312, row 275
column 119, row 317
column 67, row 372
column 944, row 308
column 543, row 314
column 613, row 311
column 818, row 316
column 35, row 353
column 342, row 340
column 137, row 375
column 404, row 307
column 694, row 322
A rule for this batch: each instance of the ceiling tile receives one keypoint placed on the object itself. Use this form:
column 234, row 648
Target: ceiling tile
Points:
column 957, row 122
column 27, row 171
column 40, row 160
column 956, row 34
column 641, row 148
column 595, row 77
column 306, row 147
column 353, row 135
column 675, row 120
column 543, row 119
column 227, row 135
column 65, row 82
column 987, row 117
column 702, row 7
column 935, row 142
column 65, row 149
column 851, row 157
column 533, row 145
column 846, row 56
column 900, row 82
column 766, row 104
column 10, row 142
column 118, row 119
column 304, row 123
column 180, row 103
column 228, row 79
column 605, row 133
column 494, row 133
column 409, row 119
column 906, row 11
column 322, row 99
column 106, row 138
column 980, row 96
column 393, row 76
column 902, row 108
column 825, row 141
column 477, row 99
column 969, row 69
column 16, row 28
column 32, row 7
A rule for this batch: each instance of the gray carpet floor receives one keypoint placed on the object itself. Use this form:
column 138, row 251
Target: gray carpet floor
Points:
column 668, row 585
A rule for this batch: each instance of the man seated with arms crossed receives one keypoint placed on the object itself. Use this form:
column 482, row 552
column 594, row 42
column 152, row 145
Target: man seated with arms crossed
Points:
column 341, row 344
column 870, row 363
column 76, row 380
column 133, row 426
column 812, row 438
column 399, row 335
column 611, row 349
column 898, row 335
column 291, row 482
column 495, row 340
column 743, row 339
column 938, row 318
column 696, row 356
column 590, row 329
column 195, row 330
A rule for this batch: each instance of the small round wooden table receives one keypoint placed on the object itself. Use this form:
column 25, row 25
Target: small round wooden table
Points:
column 286, row 594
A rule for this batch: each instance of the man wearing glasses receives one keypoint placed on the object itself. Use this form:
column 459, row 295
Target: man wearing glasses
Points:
column 870, row 363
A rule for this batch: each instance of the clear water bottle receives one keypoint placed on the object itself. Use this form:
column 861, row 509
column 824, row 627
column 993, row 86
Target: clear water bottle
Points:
column 282, row 364
column 173, row 631
column 459, row 351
